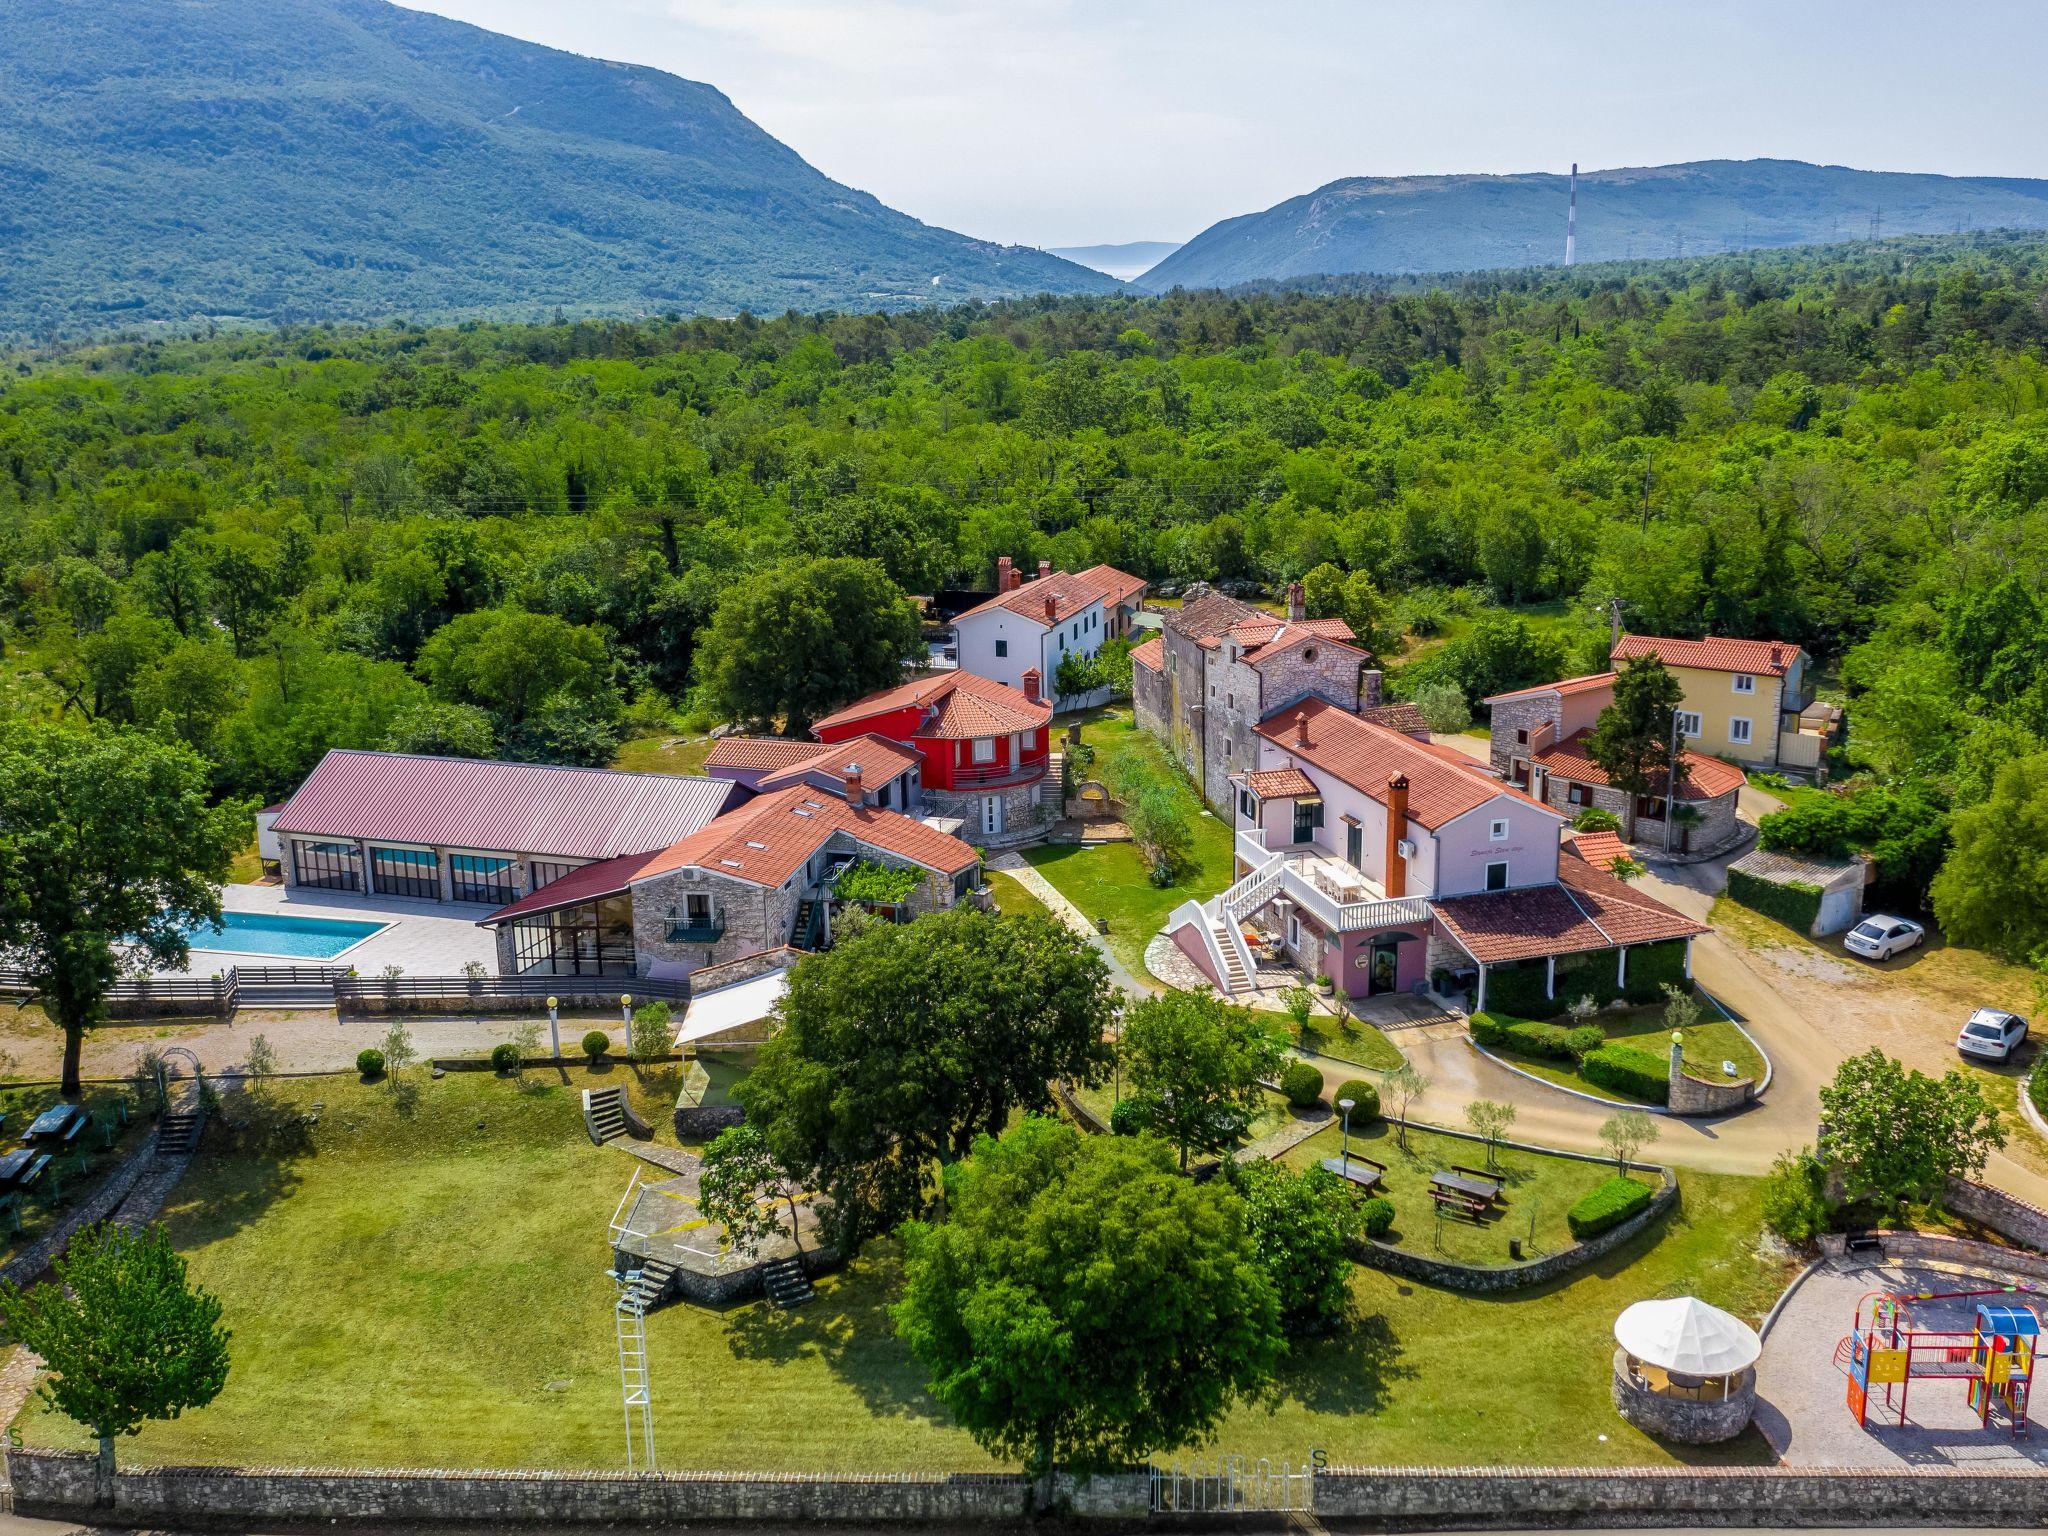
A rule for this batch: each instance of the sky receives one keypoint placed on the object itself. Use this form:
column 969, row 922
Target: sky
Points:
column 1068, row 122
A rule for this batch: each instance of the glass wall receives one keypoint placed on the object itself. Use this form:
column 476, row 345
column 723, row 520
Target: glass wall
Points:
column 405, row 872
column 329, row 866
column 541, row 872
column 594, row 939
column 487, row 877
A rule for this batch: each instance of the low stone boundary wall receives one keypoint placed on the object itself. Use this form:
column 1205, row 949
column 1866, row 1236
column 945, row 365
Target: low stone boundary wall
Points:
column 1942, row 1249
column 2007, row 1215
column 1705, row 1096
column 28, row 1265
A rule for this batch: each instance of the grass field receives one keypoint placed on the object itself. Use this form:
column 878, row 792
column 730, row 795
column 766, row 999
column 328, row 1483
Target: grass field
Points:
column 670, row 752
column 1011, row 896
column 1344, row 1036
column 1274, row 1111
column 423, row 1285
column 1707, row 1044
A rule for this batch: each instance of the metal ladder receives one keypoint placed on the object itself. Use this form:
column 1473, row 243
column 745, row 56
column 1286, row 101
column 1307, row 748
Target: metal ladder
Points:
column 634, row 1387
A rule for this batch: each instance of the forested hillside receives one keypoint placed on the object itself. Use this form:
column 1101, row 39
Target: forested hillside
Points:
column 352, row 159
column 539, row 539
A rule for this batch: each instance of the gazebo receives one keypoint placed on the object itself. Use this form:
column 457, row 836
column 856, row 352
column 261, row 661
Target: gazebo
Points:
column 1685, row 1371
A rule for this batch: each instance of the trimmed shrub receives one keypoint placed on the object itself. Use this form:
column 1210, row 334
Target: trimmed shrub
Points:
column 1796, row 903
column 1554, row 1042
column 1364, row 1097
column 370, row 1062
column 1487, row 1030
column 505, row 1057
column 1301, row 1083
column 1581, row 1038
column 1608, row 1205
column 1378, row 1216
column 1127, row 1117
column 1630, row 1072
column 1796, row 1197
column 596, row 1043
column 1519, row 992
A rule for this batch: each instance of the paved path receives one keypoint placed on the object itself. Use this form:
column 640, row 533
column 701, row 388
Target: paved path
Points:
column 1017, row 868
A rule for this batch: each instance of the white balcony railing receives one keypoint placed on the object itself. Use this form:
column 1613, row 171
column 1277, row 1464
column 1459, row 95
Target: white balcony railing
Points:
column 1294, row 875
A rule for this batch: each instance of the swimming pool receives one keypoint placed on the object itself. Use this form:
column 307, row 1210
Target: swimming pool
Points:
column 275, row 933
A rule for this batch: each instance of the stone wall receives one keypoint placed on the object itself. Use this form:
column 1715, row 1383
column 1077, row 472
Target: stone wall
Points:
column 743, row 968
column 1237, row 695
column 1025, row 808
column 1148, row 699
column 1946, row 1250
column 755, row 917
column 1701, row 1096
column 2007, row 1215
column 1526, row 714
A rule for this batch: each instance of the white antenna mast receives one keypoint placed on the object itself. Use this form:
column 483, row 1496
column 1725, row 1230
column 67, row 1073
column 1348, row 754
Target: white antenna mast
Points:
column 1571, row 221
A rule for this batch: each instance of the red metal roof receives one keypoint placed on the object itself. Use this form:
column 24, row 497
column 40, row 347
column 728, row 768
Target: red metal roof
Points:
column 960, row 705
column 498, row 807
column 1767, row 658
column 1701, row 778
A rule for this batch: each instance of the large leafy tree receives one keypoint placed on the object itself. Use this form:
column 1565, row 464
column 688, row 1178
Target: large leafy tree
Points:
column 902, row 1043
column 109, row 854
column 747, row 1191
column 794, row 642
column 1993, row 890
column 1084, row 1306
column 1302, row 1227
column 125, row 1336
column 1633, row 739
column 1193, row 1064
column 1896, row 1135
column 510, row 662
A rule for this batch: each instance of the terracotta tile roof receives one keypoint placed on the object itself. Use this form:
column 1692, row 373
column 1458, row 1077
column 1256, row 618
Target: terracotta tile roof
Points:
column 1210, row 614
column 764, row 842
column 1279, row 783
column 759, row 752
column 1587, row 909
column 1599, row 849
column 1765, row 658
column 1443, row 783
column 1116, row 586
column 1151, row 655
column 1564, row 688
column 461, row 802
column 1266, row 636
column 959, row 705
column 880, row 760
column 1405, row 718
column 1701, row 778
column 1070, row 591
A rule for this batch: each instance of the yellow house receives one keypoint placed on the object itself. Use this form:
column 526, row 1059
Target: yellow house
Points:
column 1744, row 699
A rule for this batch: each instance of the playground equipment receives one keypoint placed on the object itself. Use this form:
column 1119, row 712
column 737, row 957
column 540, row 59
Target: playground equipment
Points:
column 1994, row 1360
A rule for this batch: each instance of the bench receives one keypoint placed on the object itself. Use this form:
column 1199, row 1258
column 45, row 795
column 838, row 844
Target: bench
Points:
column 1861, row 1240
column 1450, row 1199
column 1482, row 1175
column 1362, row 1171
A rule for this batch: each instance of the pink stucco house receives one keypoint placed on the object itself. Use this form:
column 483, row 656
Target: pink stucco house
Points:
column 1381, row 861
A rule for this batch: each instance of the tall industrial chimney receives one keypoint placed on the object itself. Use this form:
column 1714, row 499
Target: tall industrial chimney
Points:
column 1571, row 220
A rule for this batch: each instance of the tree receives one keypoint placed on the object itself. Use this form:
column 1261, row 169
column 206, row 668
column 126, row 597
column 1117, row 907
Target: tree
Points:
column 651, row 1034
column 1302, row 1224
column 106, row 839
column 1490, row 1121
column 1633, row 739
column 125, row 1336
column 510, row 662
column 1991, row 892
column 1896, row 1135
column 439, row 729
column 1194, row 1063
column 902, row 1043
column 1404, row 1086
column 1444, row 708
column 1625, row 1134
column 740, row 1184
column 1084, row 1306
column 399, row 1052
column 242, row 581
column 794, row 642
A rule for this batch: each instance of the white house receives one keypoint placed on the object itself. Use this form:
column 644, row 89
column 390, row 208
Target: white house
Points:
column 1035, row 624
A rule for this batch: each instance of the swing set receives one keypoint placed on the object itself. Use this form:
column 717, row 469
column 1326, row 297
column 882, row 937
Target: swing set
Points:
column 1994, row 1360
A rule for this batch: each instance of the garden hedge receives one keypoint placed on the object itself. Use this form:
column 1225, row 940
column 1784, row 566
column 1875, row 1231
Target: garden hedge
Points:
column 1607, row 1205
column 1519, row 992
column 1796, row 903
column 1650, row 966
column 1557, row 1042
column 1630, row 1072
column 1364, row 1097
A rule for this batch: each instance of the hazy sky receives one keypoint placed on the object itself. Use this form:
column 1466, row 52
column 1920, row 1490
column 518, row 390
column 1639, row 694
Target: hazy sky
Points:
column 1059, row 122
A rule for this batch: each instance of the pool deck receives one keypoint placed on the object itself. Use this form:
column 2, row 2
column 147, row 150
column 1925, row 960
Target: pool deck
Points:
column 425, row 938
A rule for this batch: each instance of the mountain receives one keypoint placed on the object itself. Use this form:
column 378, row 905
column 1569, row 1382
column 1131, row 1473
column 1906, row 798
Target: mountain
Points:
column 1399, row 224
column 281, row 159
column 1123, row 261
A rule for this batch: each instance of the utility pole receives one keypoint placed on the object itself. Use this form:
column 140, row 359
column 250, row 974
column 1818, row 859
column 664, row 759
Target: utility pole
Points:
column 1613, row 626
column 1671, row 785
column 1649, row 469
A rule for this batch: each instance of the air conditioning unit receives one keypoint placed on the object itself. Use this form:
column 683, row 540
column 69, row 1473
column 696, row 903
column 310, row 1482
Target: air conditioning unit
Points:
column 1405, row 847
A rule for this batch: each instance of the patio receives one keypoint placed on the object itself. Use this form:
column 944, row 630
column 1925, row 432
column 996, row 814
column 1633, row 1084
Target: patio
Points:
column 422, row 938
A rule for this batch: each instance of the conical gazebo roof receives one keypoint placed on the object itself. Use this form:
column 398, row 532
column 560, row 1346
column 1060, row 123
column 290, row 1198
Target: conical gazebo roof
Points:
column 1685, row 1335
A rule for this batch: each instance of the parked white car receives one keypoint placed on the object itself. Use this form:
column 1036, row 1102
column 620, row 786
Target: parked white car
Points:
column 1992, row 1035
column 1879, row 938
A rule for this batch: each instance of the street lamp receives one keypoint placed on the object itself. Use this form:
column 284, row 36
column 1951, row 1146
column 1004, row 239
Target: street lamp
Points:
column 1346, row 1106
column 554, row 1028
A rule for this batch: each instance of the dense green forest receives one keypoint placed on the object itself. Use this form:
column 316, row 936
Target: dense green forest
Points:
column 541, row 539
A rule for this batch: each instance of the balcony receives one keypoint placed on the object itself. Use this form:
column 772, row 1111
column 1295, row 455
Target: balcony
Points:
column 1340, row 898
column 997, row 775
column 705, row 931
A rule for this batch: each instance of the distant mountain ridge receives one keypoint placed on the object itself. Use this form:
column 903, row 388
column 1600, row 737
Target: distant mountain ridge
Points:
column 1409, row 224
column 1122, row 259
column 352, row 159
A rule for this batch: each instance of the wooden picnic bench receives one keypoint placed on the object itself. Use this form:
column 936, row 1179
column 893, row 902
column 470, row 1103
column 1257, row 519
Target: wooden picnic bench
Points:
column 1362, row 1171
column 1468, row 1184
column 1451, row 1199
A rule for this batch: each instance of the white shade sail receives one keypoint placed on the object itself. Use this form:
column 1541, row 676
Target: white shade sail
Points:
column 1685, row 1335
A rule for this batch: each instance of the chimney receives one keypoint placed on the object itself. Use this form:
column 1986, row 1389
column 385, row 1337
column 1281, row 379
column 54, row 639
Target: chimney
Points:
column 1301, row 727
column 1297, row 603
column 1371, row 687
column 1016, row 579
column 1052, row 605
column 1003, row 573
column 854, row 796
column 1032, row 680
column 1044, row 569
column 1396, row 878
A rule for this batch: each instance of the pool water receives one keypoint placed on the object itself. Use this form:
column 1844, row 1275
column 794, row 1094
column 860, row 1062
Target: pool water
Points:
column 274, row 933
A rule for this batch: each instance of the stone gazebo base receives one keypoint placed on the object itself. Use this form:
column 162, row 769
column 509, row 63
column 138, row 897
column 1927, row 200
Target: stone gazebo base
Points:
column 1687, row 1420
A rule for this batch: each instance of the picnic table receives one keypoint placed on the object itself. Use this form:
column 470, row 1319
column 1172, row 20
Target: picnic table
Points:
column 60, row 1122
column 1468, row 1183
column 1362, row 1171
column 22, row 1167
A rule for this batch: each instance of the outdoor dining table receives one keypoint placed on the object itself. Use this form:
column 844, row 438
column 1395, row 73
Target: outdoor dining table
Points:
column 22, row 1167
column 54, row 1121
column 1364, row 1175
column 1465, row 1184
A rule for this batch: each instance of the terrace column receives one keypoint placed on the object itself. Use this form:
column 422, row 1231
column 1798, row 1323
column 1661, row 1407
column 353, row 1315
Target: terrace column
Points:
column 1621, row 964
column 1479, row 1002
column 1550, row 976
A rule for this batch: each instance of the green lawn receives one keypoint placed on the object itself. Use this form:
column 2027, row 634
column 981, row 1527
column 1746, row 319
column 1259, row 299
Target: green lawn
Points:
column 1540, row 1190
column 1012, row 897
column 422, row 1284
column 1274, row 1110
column 1344, row 1036
column 1707, row 1044
column 669, row 752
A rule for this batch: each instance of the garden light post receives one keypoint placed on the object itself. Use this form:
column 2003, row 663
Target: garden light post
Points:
column 1346, row 1106
column 555, row 1027
column 626, row 1012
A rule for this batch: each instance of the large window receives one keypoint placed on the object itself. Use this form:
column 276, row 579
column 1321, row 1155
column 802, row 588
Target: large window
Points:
column 330, row 866
column 595, row 939
column 405, row 872
column 1308, row 815
column 544, row 873
column 488, row 877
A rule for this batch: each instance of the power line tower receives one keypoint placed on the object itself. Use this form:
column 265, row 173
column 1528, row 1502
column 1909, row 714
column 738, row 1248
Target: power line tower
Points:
column 1571, row 220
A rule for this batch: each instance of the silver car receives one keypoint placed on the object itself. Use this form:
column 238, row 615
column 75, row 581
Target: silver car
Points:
column 1992, row 1035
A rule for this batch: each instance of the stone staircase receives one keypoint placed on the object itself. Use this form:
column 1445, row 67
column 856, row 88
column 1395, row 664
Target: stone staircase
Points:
column 1235, row 978
column 607, row 1116
column 650, row 1286
column 786, row 1283
column 177, row 1133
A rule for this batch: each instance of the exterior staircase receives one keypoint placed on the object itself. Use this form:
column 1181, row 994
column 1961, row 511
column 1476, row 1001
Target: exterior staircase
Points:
column 177, row 1134
column 806, row 933
column 1235, row 978
column 786, row 1283
column 607, row 1116
column 650, row 1286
